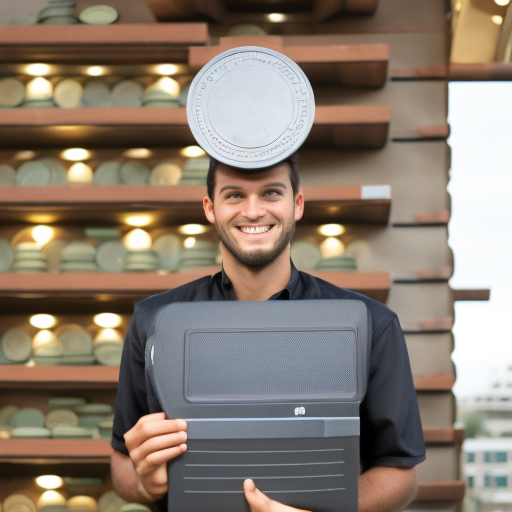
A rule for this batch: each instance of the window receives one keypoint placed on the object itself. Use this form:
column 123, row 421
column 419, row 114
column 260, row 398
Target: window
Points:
column 488, row 481
column 501, row 481
column 470, row 457
column 487, row 457
column 501, row 456
column 471, row 482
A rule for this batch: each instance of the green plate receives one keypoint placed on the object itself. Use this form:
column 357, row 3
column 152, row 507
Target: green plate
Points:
column 33, row 173
column 127, row 93
column 7, row 174
column 197, row 164
column 61, row 417
column 47, row 360
column 12, row 92
column 90, row 421
column 108, row 354
column 107, row 173
column 110, row 256
column 93, row 408
column 77, row 360
column 78, row 266
column 161, row 103
column 16, row 345
column 78, row 249
column 71, row 480
column 30, row 432
column 72, row 432
column 110, row 502
column 38, row 103
column 59, row 20
column 6, row 413
column 165, row 173
column 103, row 233
column 6, row 255
column 134, row 173
column 68, row 93
column 63, row 402
column 27, row 417
column 97, row 94
column 53, row 11
column 98, row 15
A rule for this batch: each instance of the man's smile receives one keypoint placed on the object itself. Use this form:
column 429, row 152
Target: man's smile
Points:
column 255, row 230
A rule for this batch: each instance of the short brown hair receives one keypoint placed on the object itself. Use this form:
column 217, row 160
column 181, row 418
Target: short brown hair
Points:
column 292, row 161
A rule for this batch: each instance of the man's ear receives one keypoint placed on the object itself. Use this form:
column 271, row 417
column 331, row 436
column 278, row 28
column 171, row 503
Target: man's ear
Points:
column 299, row 205
column 208, row 210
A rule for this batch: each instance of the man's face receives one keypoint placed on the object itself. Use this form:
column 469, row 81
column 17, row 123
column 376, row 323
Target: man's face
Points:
column 254, row 214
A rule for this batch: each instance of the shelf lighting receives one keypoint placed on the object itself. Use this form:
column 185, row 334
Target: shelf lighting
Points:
column 43, row 321
column 192, row 229
column 137, row 239
column 331, row 229
column 458, row 6
column 192, row 152
column 75, row 154
column 42, row 234
column 108, row 320
column 138, row 153
column 502, row 3
column 37, row 69
column 166, row 69
column 189, row 242
column 276, row 17
column 80, row 173
column 498, row 20
column 44, row 338
column 39, row 88
column 49, row 481
column 165, row 84
column 108, row 336
column 27, row 154
column 95, row 70
column 51, row 498
column 331, row 247
column 139, row 221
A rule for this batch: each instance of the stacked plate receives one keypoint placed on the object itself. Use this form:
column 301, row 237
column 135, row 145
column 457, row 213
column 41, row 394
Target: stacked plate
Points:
column 78, row 432
column 7, row 174
column 47, row 349
column 127, row 93
column 19, row 502
column 28, row 258
column 6, row 414
column 68, row 93
column 202, row 254
column 77, row 345
column 16, row 346
column 105, row 428
column 165, row 173
column 168, row 248
column 44, row 171
column 38, row 93
column 194, row 171
column 100, row 233
column 12, row 92
column 78, row 257
column 6, row 255
column 305, row 255
column 182, row 98
column 98, row 15
column 90, row 415
column 134, row 173
column 96, row 94
column 163, row 93
column 58, row 12
column 81, row 503
column 110, row 502
column 108, row 347
column 342, row 262
column 107, row 173
column 145, row 260
column 28, row 422
column 110, row 256
column 60, row 418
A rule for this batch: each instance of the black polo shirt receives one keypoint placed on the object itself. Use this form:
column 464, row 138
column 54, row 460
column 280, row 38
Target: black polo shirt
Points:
column 391, row 432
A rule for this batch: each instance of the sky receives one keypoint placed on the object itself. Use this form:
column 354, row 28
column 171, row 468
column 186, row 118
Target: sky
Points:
column 480, row 229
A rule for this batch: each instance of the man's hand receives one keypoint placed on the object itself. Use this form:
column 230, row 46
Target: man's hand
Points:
column 152, row 442
column 258, row 502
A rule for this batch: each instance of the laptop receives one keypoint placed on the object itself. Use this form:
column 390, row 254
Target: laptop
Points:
column 270, row 391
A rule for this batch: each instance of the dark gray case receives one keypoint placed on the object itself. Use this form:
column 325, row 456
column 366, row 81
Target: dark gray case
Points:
column 270, row 391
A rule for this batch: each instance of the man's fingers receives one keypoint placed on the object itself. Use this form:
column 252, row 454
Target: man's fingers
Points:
column 257, row 501
column 157, row 444
column 153, row 460
column 146, row 429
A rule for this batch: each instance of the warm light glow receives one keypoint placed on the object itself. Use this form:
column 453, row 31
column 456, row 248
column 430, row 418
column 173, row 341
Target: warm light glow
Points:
column 108, row 336
column 331, row 229
column 502, row 3
column 95, row 71
column 42, row 338
column 41, row 217
column 43, row 234
column 49, row 481
column 137, row 239
column 27, row 154
column 43, row 321
column 75, row 154
column 80, row 173
column 166, row 69
column 5, row 434
column 137, row 153
column 37, row 69
column 331, row 247
column 276, row 17
column 165, row 84
column 108, row 320
column 192, row 152
column 50, row 498
column 189, row 242
column 139, row 221
column 192, row 229
column 39, row 88
column 458, row 6
column 497, row 19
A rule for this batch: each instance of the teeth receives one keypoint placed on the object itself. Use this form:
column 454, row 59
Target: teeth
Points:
column 254, row 230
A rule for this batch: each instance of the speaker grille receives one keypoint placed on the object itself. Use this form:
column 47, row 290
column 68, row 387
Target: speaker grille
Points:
column 225, row 366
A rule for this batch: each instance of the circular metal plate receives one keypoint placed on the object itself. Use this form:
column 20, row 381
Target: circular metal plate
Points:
column 250, row 107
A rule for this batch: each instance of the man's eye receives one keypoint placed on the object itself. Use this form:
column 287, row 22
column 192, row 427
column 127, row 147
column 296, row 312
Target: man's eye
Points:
column 234, row 195
column 272, row 193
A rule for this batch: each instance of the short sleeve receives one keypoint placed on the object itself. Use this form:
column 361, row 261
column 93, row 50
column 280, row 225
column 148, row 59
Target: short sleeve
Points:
column 131, row 399
column 391, row 431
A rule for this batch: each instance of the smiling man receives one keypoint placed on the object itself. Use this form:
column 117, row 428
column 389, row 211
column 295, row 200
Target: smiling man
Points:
column 254, row 213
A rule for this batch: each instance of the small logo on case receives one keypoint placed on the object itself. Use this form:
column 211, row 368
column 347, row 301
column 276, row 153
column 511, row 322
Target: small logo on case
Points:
column 300, row 411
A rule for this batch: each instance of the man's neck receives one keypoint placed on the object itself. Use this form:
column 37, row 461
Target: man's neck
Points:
column 257, row 283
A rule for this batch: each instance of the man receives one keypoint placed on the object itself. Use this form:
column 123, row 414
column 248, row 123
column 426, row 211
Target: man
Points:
column 254, row 213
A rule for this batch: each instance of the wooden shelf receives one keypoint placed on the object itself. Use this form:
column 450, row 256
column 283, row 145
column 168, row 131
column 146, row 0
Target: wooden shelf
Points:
column 172, row 204
column 467, row 295
column 351, row 65
column 434, row 132
column 451, row 490
column 443, row 435
column 138, row 285
column 438, row 382
column 89, row 44
column 335, row 126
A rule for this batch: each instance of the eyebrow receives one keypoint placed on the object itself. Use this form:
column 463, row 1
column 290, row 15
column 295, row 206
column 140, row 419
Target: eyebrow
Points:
column 267, row 185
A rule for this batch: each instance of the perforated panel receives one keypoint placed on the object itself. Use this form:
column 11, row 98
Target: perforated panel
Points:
column 225, row 366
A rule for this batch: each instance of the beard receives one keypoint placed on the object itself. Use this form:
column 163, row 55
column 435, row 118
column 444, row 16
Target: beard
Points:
column 258, row 258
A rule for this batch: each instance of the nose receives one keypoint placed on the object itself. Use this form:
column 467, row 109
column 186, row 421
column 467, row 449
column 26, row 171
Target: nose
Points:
column 253, row 207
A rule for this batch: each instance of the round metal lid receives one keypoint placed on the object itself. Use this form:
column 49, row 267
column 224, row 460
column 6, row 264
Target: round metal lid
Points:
column 250, row 107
